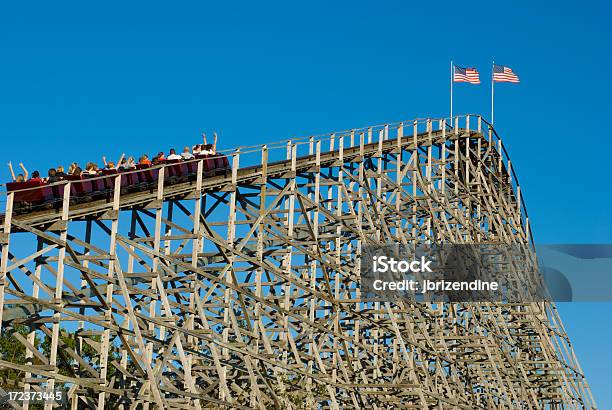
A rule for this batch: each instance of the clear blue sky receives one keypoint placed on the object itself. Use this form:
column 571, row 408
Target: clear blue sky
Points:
column 79, row 80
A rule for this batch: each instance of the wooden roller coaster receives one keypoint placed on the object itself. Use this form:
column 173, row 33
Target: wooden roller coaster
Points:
column 240, row 289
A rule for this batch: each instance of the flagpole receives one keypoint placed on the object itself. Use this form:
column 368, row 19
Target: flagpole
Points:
column 451, row 91
column 492, row 94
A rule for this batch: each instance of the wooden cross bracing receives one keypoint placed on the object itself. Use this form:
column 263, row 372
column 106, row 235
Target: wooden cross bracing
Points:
column 242, row 290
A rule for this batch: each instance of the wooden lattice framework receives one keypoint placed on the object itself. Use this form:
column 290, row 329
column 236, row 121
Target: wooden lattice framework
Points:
column 241, row 290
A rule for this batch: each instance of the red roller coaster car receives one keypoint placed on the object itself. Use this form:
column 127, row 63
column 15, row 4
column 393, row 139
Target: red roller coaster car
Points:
column 32, row 195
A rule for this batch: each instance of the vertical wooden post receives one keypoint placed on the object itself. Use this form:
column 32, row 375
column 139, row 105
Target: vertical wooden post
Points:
column 156, row 270
column 456, row 164
column 5, row 241
column 126, row 318
column 313, row 272
column 197, row 243
column 518, row 201
column 467, row 160
column 259, row 272
column 197, row 210
column 338, row 253
column 443, row 166
column 500, row 157
column 468, row 201
column 112, row 252
column 330, row 195
column 287, row 259
column 231, row 237
column 32, row 335
column 415, row 170
column 57, row 297
column 360, row 244
column 398, row 175
column 429, row 154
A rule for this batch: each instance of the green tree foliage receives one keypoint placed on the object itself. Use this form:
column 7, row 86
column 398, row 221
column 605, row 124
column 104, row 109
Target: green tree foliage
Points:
column 12, row 350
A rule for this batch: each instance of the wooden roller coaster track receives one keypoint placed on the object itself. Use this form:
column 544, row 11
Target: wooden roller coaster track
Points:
column 241, row 290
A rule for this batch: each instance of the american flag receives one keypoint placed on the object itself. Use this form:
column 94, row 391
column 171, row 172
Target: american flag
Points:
column 503, row 74
column 466, row 75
